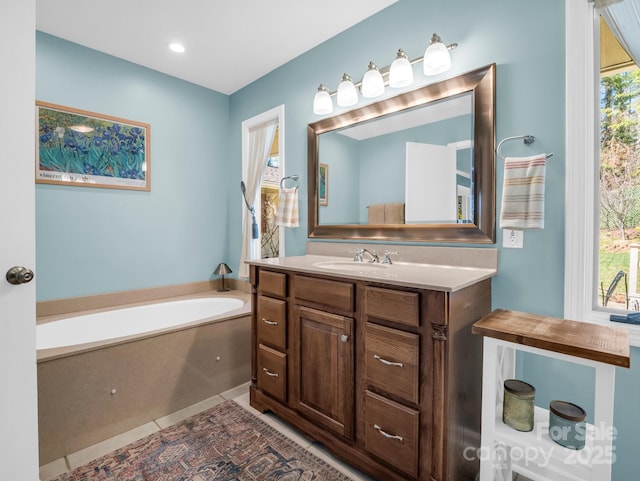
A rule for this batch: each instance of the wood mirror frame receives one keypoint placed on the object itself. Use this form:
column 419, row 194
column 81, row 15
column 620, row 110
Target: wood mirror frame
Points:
column 481, row 83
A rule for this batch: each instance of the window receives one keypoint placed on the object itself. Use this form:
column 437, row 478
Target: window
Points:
column 269, row 193
column 583, row 294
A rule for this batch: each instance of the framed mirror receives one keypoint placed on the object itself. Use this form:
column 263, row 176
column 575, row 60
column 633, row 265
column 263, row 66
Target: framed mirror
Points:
column 419, row 166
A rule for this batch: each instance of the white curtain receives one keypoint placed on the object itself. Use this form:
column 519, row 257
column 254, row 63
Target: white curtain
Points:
column 623, row 19
column 260, row 140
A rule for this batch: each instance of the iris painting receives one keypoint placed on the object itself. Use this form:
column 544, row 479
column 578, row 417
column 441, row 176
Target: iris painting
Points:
column 82, row 148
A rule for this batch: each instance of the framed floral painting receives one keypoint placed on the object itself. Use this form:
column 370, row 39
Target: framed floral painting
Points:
column 77, row 147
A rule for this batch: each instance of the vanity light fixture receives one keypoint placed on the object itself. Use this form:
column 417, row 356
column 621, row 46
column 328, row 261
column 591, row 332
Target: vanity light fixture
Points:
column 399, row 74
column 347, row 92
column 372, row 82
column 436, row 57
column 401, row 71
column 322, row 101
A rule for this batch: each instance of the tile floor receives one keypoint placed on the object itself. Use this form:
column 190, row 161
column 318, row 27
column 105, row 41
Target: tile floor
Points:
column 239, row 394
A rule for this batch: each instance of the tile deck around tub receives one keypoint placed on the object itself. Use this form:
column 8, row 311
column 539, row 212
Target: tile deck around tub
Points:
column 239, row 394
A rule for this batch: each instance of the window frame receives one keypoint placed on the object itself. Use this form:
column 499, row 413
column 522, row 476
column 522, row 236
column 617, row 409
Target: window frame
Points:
column 582, row 148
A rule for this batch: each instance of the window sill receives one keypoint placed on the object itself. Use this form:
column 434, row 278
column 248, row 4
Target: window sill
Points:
column 602, row 318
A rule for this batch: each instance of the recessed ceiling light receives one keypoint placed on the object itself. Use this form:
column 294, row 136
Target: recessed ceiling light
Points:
column 176, row 47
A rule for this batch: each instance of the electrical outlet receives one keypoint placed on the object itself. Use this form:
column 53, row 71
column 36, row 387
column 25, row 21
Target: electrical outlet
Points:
column 512, row 238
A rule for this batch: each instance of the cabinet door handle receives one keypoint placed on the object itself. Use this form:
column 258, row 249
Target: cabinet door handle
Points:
column 269, row 373
column 270, row 323
column 387, row 435
column 387, row 363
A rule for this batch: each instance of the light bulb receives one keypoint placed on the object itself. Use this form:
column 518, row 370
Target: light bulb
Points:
column 372, row 82
column 436, row 57
column 322, row 101
column 347, row 92
column 401, row 71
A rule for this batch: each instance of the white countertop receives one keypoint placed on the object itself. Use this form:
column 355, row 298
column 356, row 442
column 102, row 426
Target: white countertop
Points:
column 409, row 274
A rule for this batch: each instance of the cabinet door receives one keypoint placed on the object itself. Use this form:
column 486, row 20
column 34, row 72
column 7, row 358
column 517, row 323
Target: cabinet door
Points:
column 325, row 375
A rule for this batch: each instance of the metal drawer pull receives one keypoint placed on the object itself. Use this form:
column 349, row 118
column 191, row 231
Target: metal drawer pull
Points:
column 387, row 363
column 269, row 373
column 387, row 435
column 271, row 323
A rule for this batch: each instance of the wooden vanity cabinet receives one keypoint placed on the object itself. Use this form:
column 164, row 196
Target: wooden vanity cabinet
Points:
column 386, row 377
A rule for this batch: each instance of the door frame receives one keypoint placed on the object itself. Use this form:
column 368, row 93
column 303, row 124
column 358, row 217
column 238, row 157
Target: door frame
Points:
column 277, row 114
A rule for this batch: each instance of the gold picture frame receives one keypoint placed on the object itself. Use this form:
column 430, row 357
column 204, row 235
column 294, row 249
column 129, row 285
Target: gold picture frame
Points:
column 82, row 148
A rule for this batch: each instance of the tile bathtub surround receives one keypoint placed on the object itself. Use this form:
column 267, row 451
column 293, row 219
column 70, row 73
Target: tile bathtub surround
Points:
column 241, row 396
column 120, row 388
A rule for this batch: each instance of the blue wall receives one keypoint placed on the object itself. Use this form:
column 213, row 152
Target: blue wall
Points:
column 342, row 162
column 94, row 240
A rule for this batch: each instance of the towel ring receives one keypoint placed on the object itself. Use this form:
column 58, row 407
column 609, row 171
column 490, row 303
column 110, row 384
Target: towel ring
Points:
column 292, row 177
column 527, row 139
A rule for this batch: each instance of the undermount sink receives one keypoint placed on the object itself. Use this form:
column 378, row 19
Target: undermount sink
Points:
column 350, row 265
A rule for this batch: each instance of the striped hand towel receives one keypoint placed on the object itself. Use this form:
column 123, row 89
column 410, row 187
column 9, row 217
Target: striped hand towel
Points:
column 287, row 215
column 523, row 193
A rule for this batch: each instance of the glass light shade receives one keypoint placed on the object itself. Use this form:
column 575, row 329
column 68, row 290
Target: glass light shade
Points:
column 401, row 72
column 347, row 92
column 322, row 103
column 372, row 82
column 436, row 58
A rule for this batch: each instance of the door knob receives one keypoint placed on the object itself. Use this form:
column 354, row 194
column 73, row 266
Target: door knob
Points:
column 19, row 275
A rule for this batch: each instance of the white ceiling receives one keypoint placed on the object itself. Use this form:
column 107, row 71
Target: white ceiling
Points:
column 229, row 43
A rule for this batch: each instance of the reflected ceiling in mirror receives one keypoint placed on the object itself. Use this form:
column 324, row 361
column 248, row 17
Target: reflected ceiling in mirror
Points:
column 419, row 166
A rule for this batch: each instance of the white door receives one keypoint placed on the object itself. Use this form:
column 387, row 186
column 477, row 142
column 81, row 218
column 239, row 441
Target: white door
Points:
column 430, row 190
column 18, row 392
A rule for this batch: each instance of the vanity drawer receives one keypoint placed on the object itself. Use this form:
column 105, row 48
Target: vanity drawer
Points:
column 392, row 360
column 271, row 322
column 274, row 283
column 392, row 305
column 392, row 432
column 322, row 291
column 272, row 372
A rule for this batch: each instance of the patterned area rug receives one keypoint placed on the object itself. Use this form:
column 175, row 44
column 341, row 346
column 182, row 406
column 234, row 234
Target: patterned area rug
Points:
column 224, row 443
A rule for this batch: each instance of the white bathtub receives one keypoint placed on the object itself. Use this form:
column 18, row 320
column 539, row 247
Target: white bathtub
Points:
column 131, row 321
column 104, row 373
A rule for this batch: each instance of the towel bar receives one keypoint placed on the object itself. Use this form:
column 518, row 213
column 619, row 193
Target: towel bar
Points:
column 292, row 177
column 527, row 139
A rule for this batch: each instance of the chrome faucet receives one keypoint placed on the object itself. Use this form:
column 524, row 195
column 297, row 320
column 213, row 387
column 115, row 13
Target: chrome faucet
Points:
column 374, row 257
column 387, row 259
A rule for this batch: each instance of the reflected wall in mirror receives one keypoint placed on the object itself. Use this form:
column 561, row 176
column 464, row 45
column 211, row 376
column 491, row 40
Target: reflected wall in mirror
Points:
column 419, row 166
